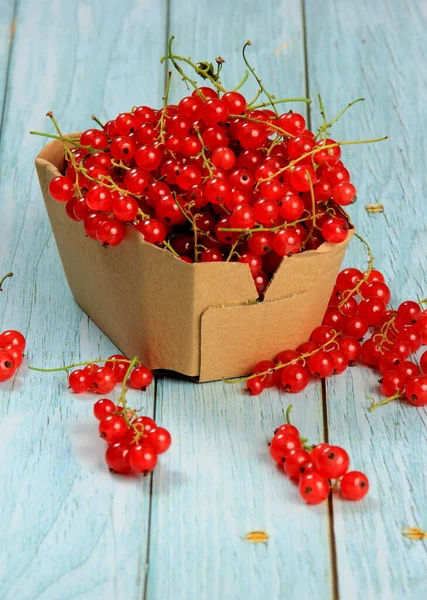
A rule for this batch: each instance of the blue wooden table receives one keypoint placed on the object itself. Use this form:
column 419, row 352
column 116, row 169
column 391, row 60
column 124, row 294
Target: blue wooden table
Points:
column 68, row 529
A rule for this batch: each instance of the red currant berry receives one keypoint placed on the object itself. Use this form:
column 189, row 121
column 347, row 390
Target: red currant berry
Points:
column 113, row 428
column 313, row 488
column 255, row 386
column 7, row 365
column 390, row 361
column 344, row 193
column 103, row 380
column 286, row 241
column 371, row 353
column 372, row 310
column 354, row 485
column 117, row 458
column 260, row 242
column 98, row 197
column 335, row 230
column 351, row 348
column 294, row 461
column 340, row 360
column 282, row 444
column 125, row 208
column 14, row 338
column 321, row 364
column 392, row 382
column 94, row 138
column 408, row 370
column 61, row 188
column 123, row 148
column 110, row 232
column 333, row 462
column 294, row 378
column 318, row 450
column 292, row 123
column 142, row 458
column 408, row 312
column 254, row 262
column 235, row 102
column 159, row 439
column 301, row 177
column 140, row 378
column 79, row 381
column 119, row 365
column 416, row 390
column 154, row 231
column 266, row 366
column 102, row 408
column 287, row 428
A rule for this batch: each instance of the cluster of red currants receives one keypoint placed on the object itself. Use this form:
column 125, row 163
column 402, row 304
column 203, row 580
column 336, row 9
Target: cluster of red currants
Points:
column 313, row 468
column 212, row 178
column 12, row 346
column 134, row 442
column 358, row 306
column 103, row 379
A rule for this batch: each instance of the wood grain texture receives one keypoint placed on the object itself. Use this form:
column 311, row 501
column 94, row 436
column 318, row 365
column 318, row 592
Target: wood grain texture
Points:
column 218, row 482
column 68, row 528
column 378, row 50
column 7, row 33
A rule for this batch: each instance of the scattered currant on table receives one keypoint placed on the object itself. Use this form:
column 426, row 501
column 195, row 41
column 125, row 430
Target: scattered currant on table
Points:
column 315, row 469
column 213, row 178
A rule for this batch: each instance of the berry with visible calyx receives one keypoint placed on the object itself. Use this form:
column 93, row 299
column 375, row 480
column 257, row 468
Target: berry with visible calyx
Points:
column 333, row 462
column 7, row 366
column 313, row 488
column 103, row 380
column 117, row 458
column 416, row 390
column 354, row 485
column 294, row 461
column 140, row 378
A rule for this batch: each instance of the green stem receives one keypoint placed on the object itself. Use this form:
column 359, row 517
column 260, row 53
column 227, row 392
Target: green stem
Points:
column 3, row 279
column 81, row 364
column 274, row 102
column 98, row 121
column 239, row 85
column 64, row 139
column 252, row 70
column 340, row 114
column 374, row 405
column 355, row 290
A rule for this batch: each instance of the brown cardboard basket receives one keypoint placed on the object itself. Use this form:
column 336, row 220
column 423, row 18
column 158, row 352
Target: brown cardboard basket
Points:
column 200, row 320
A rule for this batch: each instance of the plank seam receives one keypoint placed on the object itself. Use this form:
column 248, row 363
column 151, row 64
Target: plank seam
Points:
column 305, row 48
column 150, row 504
column 331, row 528
column 8, row 64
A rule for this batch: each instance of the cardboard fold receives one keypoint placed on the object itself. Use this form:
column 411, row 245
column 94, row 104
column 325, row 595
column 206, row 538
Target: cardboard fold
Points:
column 200, row 320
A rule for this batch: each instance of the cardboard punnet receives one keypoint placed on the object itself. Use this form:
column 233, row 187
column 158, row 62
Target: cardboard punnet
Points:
column 200, row 320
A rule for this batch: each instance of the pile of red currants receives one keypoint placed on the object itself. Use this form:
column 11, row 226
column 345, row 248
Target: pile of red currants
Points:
column 134, row 442
column 313, row 468
column 357, row 327
column 212, row 178
column 12, row 346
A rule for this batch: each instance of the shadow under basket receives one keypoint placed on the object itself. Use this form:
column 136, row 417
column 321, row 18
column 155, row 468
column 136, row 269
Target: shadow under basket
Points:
column 200, row 320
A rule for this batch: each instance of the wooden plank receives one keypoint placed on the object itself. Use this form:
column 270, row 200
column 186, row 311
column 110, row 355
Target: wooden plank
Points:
column 218, row 483
column 69, row 529
column 377, row 50
column 7, row 31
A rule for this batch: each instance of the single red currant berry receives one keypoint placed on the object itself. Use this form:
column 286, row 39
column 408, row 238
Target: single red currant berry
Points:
column 217, row 190
column 102, row 408
column 301, row 178
column 286, row 356
column 347, row 279
column 125, row 123
column 335, row 230
column 292, row 123
column 255, row 386
column 242, row 217
column 355, row 326
column 340, row 360
column 154, row 231
column 103, row 380
column 123, row 148
column 351, row 348
column 333, row 462
column 125, row 208
column 344, row 193
column 416, row 390
column 119, row 364
column 294, row 378
column 79, row 381
column 251, row 135
column 422, row 327
column 327, row 156
column 313, row 488
column 159, row 439
column 321, row 364
column 392, row 382
column 408, row 312
column 94, row 138
column 14, row 338
column 354, row 485
column 267, row 367
column 260, row 242
column 99, row 197
column 61, row 188
column 294, row 461
column 191, row 107
column 291, row 208
column 223, row 158
column 408, row 369
column 214, row 111
column 282, row 444
column 322, row 335
column 287, row 428
column 148, row 157
column 390, row 360
column 211, row 255
column 136, row 181
column 117, row 458
column 372, row 310
column 371, row 353
column 142, row 458
column 188, row 176
column 236, row 103
column 286, row 241
column 140, row 378
column 110, row 232
column 423, row 363
column 113, row 428
column 7, row 365
column 318, row 450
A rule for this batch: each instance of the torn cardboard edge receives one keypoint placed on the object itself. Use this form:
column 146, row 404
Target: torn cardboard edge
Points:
column 200, row 320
